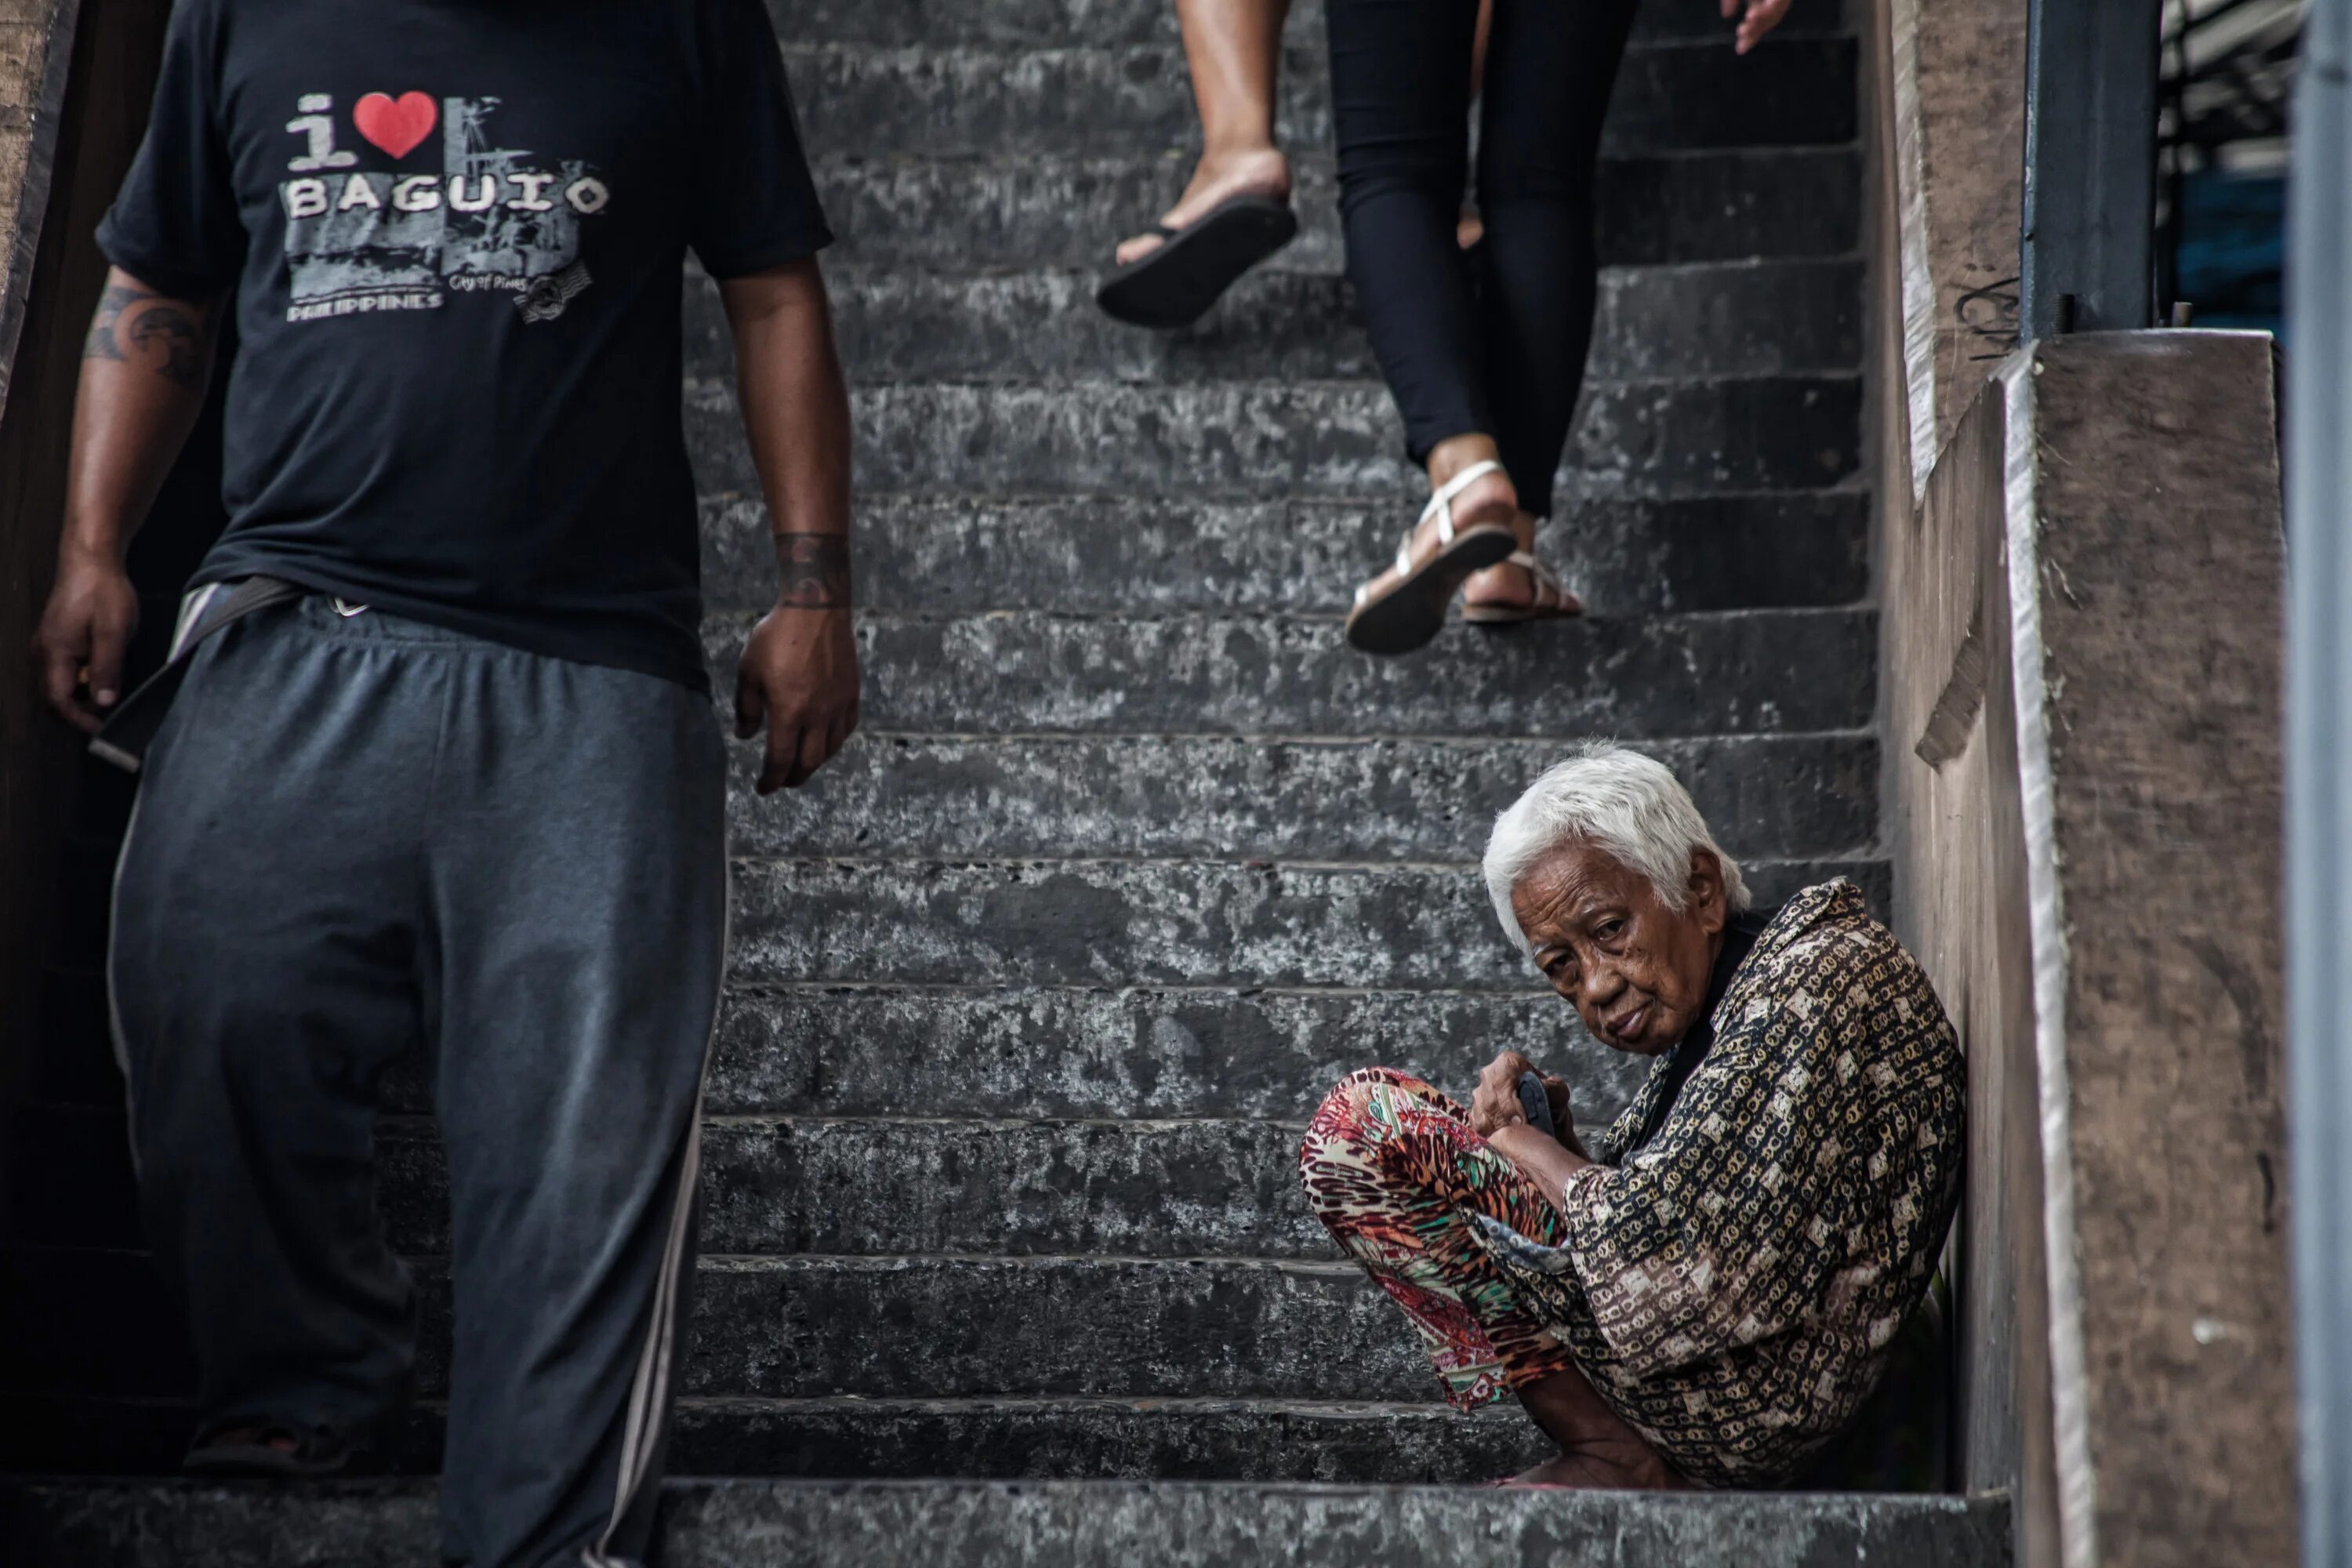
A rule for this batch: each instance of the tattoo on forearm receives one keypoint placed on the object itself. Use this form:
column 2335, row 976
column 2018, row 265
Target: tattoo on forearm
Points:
column 138, row 325
column 816, row 569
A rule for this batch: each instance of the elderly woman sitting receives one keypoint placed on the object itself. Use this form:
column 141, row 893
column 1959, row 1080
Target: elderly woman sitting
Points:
column 1708, row 1294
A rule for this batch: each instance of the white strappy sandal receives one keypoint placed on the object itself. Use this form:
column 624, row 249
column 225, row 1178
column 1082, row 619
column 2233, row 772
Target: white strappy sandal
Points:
column 1552, row 599
column 1406, row 613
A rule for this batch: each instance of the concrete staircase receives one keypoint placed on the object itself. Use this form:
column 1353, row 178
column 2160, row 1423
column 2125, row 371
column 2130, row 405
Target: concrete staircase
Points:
column 1033, row 991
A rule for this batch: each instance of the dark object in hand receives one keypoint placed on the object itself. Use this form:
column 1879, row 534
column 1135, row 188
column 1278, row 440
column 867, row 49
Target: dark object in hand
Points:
column 1537, row 1104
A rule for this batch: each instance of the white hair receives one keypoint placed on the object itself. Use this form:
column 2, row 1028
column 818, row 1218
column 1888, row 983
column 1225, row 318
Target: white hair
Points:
column 1627, row 803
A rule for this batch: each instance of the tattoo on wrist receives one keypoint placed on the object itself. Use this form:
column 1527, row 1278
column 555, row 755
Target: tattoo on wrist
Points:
column 816, row 569
column 138, row 325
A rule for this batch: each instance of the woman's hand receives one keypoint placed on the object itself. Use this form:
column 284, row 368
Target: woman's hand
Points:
column 1495, row 1104
column 1762, row 17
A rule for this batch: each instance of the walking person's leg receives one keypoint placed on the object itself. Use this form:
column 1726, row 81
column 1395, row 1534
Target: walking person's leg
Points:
column 579, row 893
column 264, row 971
column 1547, row 83
column 1401, row 73
column 1232, row 49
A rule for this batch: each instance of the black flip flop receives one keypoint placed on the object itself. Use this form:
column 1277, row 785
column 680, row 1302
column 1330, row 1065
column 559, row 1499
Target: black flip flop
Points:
column 1174, row 283
column 316, row 1451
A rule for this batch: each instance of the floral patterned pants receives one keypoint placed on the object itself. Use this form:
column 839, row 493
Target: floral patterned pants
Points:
column 1393, row 1170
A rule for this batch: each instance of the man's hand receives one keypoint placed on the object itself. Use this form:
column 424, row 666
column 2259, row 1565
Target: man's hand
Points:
column 145, row 367
column 799, row 677
column 1762, row 17
column 800, row 669
column 78, row 649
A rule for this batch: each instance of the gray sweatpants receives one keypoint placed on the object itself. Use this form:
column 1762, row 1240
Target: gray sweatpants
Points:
column 355, row 834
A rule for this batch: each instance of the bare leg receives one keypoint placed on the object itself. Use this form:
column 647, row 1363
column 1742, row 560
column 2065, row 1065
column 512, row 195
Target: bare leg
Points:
column 1233, row 47
column 1473, row 228
column 1596, row 1448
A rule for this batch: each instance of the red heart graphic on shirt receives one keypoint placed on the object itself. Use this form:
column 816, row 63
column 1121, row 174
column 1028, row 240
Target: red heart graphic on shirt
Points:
column 396, row 125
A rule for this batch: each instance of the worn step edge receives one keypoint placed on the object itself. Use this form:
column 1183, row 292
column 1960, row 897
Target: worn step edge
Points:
column 1146, row 921
column 751, row 1523
column 1782, row 317
column 1048, row 95
column 1067, row 211
column 1119, row 22
column 1672, row 438
column 1797, row 671
column 963, row 1326
column 926, row 554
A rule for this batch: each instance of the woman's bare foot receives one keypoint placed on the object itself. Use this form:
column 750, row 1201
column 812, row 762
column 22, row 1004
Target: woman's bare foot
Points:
column 1598, row 1472
column 1597, row 1449
column 1219, row 176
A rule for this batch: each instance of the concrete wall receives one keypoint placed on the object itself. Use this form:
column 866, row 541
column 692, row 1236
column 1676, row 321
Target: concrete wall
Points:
column 2083, row 811
column 2083, row 629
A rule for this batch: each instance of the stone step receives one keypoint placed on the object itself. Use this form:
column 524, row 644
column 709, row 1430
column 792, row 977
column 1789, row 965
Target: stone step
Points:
column 920, row 1183
column 1044, row 1524
column 1744, row 672
column 850, row 1050
column 991, row 797
column 1064, row 1438
column 1041, row 97
column 1147, row 922
column 1707, row 320
column 1263, row 438
column 1112, row 23
column 965, row 214
column 1203, row 1051
column 85, row 1321
column 1144, row 556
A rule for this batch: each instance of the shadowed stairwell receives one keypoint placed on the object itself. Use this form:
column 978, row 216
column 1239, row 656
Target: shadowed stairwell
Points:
column 1034, row 989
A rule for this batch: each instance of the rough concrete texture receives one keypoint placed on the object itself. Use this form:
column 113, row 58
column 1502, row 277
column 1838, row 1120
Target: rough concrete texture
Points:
column 1236, row 438
column 966, row 101
column 1132, row 860
column 1740, row 318
column 794, row 1327
column 1622, row 557
column 2089, row 832
column 1203, row 1051
column 35, row 43
column 744, row 1525
column 1635, row 678
column 1065, row 211
column 2156, row 486
column 1776, row 796
column 997, row 1438
column 1954, row 141
column 1110, row 922
column 1961, row 890
column 1120, row 23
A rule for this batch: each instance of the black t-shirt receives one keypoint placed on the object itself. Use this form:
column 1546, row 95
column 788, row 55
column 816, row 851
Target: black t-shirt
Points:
column 457, row 231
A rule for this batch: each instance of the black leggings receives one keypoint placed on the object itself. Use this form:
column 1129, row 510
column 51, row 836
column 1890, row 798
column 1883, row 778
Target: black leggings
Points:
column 1492, row 343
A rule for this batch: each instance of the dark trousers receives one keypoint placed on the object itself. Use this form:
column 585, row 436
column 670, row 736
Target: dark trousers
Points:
column 360, row 836
column 1492, row 343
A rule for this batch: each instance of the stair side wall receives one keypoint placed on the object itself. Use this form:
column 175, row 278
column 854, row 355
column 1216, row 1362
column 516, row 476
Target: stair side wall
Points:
column 2081, row 652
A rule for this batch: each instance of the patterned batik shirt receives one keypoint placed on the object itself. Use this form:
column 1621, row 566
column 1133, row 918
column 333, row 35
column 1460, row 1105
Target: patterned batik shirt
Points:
column 1732, row 1285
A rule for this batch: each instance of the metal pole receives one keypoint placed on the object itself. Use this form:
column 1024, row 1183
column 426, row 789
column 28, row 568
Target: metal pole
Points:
column 2087, row 250
column 2319, row 777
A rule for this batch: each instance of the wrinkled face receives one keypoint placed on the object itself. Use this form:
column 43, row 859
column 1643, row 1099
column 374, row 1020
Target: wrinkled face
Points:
column 1635, row 967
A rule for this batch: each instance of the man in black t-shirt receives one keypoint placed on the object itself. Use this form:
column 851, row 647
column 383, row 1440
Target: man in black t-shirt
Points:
column 442, row 769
